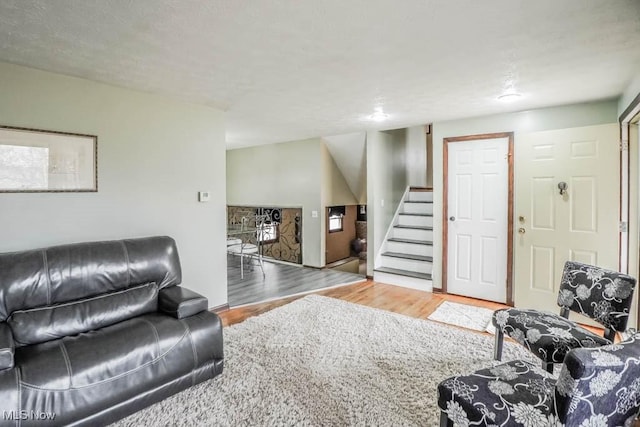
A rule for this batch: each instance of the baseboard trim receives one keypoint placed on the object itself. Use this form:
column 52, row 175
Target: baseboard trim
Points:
column 219, row 308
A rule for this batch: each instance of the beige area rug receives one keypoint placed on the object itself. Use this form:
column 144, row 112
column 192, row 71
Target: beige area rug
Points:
column 320, row 361
column 463, row 315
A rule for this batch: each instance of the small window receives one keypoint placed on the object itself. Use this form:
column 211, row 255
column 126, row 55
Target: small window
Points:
column 268, row 233
column 336, row 215
column 335, row 224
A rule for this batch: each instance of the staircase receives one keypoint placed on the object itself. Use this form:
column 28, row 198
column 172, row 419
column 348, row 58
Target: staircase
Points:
column 406, row 255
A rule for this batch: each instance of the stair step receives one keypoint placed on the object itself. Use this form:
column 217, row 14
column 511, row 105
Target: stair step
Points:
column 408, row 256
column 414, row 214
column 409, row 207
column 411, row 241
column 420, row 196
column 418, row 201
column 414, row 227
column 425, row 276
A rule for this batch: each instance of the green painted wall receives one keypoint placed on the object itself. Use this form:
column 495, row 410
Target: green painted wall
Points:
column 154, row 155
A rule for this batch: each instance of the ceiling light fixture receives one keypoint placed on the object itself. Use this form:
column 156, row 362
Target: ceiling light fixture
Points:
column 379, row 115
column 509, row 97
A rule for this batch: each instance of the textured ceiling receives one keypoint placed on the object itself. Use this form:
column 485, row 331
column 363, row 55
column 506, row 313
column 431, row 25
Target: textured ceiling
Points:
column 294, row 69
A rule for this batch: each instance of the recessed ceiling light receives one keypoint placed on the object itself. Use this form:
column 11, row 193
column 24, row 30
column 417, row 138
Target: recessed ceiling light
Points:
column 379, row 115
column 509, row 97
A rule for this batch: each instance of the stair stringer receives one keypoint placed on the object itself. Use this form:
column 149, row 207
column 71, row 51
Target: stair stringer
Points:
column 386, row 272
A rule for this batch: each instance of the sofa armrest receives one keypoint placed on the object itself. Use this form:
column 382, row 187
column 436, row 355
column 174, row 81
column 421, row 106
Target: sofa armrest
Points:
column 7, row 347
column 181, row 302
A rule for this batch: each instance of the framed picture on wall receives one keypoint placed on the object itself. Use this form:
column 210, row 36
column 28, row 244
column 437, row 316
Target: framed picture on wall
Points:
column 34, row 161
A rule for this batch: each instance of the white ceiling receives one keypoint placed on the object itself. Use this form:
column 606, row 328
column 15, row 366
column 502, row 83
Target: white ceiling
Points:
column 294, row 69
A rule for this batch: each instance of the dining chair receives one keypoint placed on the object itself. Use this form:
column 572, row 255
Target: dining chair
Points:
column 596, row 387
column 600, row 294
column 250, row 225
column 248, row 250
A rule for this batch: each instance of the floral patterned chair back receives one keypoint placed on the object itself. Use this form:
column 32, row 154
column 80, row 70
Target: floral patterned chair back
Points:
column 600, row 386
column 603, row 295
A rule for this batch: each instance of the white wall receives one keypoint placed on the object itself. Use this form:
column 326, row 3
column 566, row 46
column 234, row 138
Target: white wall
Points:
column 288, row 174
column 527, row 121
column 416, row 154
column 386, row 183
column 335, row 190
column 349, row 154
column 154, row 155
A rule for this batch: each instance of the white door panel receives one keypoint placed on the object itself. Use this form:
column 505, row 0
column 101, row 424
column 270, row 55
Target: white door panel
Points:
column 580, row 224
column 478, row 183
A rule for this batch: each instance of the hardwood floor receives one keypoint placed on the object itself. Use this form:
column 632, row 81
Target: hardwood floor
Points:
column 409, row 302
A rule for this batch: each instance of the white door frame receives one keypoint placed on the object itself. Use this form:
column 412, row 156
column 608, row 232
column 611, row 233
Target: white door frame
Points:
column 445, row 207
column 625, row 119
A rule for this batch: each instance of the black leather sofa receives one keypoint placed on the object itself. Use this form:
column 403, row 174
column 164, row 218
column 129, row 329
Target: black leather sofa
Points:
column 92, row 332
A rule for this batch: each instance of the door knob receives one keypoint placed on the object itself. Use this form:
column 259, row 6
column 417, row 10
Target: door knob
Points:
column 452, row 218
column 521, row 230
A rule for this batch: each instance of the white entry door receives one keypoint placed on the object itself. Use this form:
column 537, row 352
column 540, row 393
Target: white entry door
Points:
column 477, row 217
column 580, row 223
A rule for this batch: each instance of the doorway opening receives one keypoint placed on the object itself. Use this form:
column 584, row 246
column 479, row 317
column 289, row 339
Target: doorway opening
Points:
column 346, row 239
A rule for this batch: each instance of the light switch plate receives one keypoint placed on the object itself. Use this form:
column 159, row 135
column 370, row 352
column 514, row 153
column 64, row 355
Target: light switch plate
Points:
column 204, row 196
column 314, row 214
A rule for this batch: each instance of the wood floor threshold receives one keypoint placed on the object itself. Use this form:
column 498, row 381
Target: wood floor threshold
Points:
column 397, row 299
column 295, row 295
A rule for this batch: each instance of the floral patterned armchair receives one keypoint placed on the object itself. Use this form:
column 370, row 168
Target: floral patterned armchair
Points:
column 603, row 295
column 597, row 387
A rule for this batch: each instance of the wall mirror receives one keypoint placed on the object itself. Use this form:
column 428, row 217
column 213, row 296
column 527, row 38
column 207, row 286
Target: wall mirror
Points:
column 35, row 161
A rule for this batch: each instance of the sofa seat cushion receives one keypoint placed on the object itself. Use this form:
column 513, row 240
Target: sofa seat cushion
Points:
column 547, row 335
column 89, row 376
column 37, row 325
column 105, row 354
column 514, row 393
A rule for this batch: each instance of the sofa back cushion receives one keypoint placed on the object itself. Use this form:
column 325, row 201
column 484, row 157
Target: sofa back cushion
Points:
column 60, row 274
column 36, row 325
